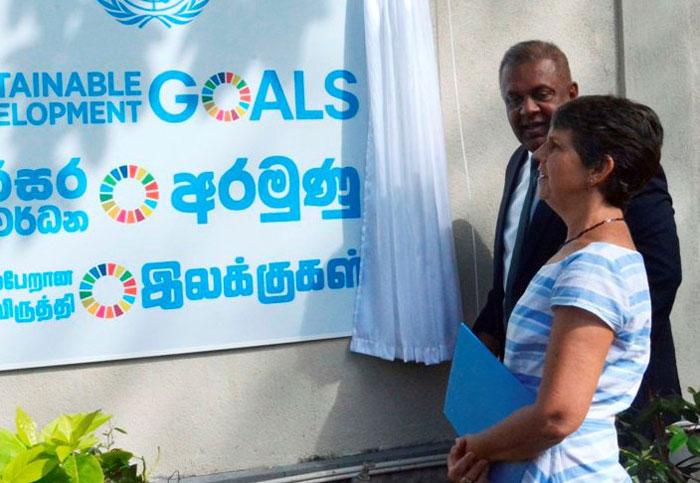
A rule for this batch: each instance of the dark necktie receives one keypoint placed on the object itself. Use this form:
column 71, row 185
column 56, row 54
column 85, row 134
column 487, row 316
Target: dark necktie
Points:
column 510, row 299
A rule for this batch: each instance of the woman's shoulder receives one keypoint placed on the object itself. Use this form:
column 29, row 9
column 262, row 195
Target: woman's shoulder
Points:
column 606, row 254
column 605, row 279
column 602, row 264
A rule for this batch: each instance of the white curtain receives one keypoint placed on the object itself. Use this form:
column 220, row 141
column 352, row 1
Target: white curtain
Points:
column 407, row 305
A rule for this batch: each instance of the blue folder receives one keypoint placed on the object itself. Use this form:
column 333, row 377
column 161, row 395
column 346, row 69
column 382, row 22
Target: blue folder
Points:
column 480, row 393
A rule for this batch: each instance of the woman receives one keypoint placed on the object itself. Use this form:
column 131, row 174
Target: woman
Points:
column 579, row 336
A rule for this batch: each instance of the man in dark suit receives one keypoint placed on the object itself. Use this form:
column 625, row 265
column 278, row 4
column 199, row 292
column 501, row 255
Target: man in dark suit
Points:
column 535, row 80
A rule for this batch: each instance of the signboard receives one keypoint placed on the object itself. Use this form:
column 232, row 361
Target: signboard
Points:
column 177, row 176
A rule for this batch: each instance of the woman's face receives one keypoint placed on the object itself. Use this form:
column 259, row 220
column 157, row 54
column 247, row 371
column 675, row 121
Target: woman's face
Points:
column 563, row 177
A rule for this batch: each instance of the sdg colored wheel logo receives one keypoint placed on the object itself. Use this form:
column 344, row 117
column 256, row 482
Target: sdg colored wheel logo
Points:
column 122, row 294
column 226, row 78
column 149, row 194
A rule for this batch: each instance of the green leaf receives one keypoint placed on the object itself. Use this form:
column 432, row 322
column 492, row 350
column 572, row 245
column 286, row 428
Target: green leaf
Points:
column 63, row 451
column 694, row 444
column 10, row 446
column 84, row 424
column 678, row 439
column 28, row 466
column 83, row 469
column 58, row 430
column 88, row 442
column 26, row 428
column 70, row 466
column 57, row 475
column 115, row 459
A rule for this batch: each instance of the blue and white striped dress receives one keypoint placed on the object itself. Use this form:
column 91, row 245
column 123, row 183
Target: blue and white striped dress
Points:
column 609, row 281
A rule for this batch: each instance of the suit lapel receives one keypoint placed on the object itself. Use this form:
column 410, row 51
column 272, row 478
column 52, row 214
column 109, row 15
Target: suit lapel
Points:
column 514, row 164
column 542, row 219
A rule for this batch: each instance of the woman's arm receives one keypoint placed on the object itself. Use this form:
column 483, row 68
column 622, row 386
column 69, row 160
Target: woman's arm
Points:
column 578, row 345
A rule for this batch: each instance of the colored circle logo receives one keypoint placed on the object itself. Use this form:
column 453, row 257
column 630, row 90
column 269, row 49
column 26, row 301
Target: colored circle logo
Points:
column 112, row 281
column 226, row 78
column 139, row 177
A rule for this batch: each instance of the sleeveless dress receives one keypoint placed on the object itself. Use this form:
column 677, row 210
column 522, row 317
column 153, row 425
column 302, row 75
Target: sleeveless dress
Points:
column 610, row 282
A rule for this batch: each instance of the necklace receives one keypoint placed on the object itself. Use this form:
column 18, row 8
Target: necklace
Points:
column 586, row 230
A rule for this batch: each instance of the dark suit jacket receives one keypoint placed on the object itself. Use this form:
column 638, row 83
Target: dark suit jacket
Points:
column 650, row 219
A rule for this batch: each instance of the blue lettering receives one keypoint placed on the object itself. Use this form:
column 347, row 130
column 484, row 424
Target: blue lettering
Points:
column 33, row 184
column 194, row 194
column 75, row 85
column 279, row 189
column 16, row 121
column 3, row 77
column 49, row 220
column 5, row 183
column 344, row 272
column 56, row 111
column 309, row 276
column 25, row 221
column 71, row 171
column 6, row 309
column 7, row 222
column 50, row 84
column 188, row 100
column 237, row 281
column 132, row 82
column 64, row 307
column 237, row 174
column 96, row 83
column 111, row 86
column 343, row 95
column 300, row 99
column 75, row 221
column 161, row 285
column 97, row 113
column 4, row 106
column 44, row 310
column 197, row 283
column 275, row 283
column 24, row 312
column 42, row 115
column 279, row 103
column 20, row 86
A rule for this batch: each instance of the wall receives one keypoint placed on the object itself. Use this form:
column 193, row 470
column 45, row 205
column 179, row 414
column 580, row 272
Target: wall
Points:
column 272, row 406
column 662, row 69
column 482, row 32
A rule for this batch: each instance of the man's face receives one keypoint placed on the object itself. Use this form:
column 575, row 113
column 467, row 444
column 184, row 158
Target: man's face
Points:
column 532, row 92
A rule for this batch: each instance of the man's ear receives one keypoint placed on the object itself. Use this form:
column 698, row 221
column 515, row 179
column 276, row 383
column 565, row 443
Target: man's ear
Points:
column 573, row 91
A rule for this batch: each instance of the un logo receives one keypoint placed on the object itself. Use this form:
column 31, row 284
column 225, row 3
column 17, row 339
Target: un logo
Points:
column 141, row 12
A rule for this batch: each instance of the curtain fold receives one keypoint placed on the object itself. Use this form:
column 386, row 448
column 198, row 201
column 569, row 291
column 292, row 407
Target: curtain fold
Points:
column 407, row 304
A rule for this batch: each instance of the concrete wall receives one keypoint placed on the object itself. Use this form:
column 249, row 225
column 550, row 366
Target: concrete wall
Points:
column 662, row 69
column 273, row 406
column 482, row 32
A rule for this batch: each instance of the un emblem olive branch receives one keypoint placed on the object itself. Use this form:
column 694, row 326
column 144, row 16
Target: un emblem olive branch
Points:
column 127, row 13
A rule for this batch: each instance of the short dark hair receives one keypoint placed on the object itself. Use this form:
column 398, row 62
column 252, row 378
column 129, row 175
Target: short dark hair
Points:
column 532, row 51
column 629, row 132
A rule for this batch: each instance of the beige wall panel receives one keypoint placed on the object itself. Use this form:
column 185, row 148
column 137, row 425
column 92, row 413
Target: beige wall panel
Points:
column 662, row 65
column 481, row 31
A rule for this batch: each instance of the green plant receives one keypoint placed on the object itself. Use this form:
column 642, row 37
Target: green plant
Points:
column 655, row 456
column 65, row 451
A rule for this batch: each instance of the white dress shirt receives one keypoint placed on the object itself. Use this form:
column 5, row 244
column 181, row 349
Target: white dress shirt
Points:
column 515, row 208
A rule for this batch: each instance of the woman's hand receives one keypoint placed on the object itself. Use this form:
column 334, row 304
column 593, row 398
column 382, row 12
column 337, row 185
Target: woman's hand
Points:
column 463, row 466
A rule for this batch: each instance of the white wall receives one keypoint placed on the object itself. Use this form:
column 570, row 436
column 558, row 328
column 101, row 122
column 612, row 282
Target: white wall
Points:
column 273, row 406
column 662, row 67
column 482, row 31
